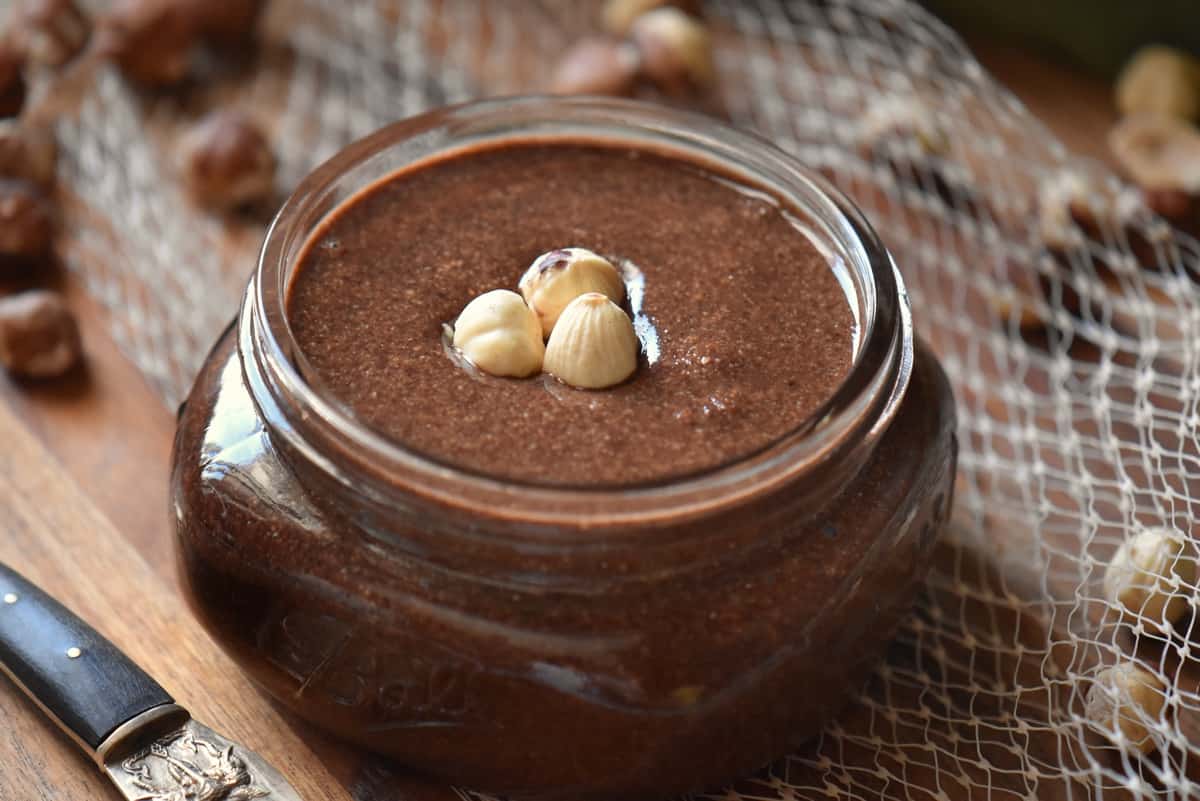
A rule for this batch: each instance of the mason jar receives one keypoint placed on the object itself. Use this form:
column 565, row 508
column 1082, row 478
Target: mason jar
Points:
column 544, row 641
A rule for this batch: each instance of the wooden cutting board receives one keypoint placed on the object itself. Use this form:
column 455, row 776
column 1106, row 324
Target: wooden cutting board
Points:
column 52, row 534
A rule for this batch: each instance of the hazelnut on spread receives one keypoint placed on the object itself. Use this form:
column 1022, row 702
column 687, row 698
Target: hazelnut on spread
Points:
column 570, row 292
column 747, row 329
column 498, row 333
column 558, row 277
column 593, row 344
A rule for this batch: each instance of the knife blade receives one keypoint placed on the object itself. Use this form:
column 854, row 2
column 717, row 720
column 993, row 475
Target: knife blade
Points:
column 148, row 745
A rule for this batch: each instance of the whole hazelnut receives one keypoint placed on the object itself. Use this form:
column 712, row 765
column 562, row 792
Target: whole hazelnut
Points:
column 1124, row 702
column 27, row 153
column 596, row 66
column 12, row 79
column 1063, row 199
column 150, row 41
column 52, row 31
column 498, row 333
column 227, row 161
column 620, row 14
column 558, row 277
column 1158, row 152
column 227, row 21
column 593, row 345
column 676, row 50
column 902, row 118
column 1151, row 577
column 26, row 221
column 153, row 41
column 1160, row 80
column 39, row 336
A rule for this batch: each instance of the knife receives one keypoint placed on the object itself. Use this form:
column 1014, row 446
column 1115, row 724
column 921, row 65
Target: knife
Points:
column 147, row 744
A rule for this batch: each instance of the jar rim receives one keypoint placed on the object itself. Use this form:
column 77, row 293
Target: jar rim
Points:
column 323, row 431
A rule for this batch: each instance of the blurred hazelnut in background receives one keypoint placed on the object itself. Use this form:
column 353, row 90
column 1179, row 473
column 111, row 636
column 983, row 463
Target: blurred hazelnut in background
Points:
column 27, row 153
column 619, row 15
column 12, row 79
column 154, row 42
column 1160, row 80
column 150, row 41
column 227, row 161
column 1156, row 143
column 26, row 221
column 597, row 66
column 50, row 32
column 657, row 42
column 39, row 336
column 227, row 21
column 1161, row 155
column 676, row 50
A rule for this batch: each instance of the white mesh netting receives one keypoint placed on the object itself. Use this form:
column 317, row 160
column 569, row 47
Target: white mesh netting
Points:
column 1071, row 335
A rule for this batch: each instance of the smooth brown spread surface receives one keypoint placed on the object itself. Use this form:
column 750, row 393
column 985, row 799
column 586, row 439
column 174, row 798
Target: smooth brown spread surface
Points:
column 754, row 331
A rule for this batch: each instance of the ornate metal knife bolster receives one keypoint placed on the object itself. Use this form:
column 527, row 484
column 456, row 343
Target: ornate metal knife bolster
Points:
column 147, row 744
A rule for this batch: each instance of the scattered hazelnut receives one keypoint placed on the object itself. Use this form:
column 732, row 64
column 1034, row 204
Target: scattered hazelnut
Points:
column 1151, row 577
column 1072, row 204
column 39, row 337
column 1063, row 198
column 228, row 20
column 1160, row 80
column 52, row 31
column 619, row 15
column 151, row 41
column 596, row 66
column 1010, row 306
column 227, row 161
column 26, row 220
column 904, row 118
column 1122, row 700
column 12, row 79
column 27, row 154
column 593, row 346
column 1158, row 152
column 558, row 277
column 676, row 50
column 499, row 334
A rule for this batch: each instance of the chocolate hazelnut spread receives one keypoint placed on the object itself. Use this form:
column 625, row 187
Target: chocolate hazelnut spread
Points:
column 602, row 641
column 746, row 330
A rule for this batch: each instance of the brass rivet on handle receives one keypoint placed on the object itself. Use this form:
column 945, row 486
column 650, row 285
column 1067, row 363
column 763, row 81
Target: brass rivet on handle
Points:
column 74, row 653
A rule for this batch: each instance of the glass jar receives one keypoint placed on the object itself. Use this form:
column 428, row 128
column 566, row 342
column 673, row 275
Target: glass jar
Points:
column 553, row 642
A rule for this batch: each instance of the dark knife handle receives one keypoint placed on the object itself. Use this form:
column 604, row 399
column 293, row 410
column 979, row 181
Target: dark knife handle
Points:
column 76, row 675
